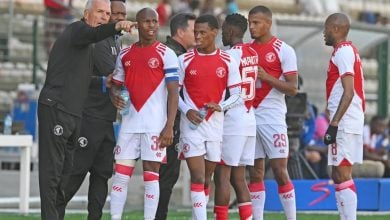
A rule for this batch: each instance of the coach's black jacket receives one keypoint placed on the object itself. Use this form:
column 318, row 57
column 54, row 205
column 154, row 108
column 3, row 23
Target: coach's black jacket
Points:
column 70, row 66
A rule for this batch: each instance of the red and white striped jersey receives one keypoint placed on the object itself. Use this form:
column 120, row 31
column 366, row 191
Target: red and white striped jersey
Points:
column 278, row 59
column 345, row 60
column 204, row 78
column 241, row 120
column 143, row 70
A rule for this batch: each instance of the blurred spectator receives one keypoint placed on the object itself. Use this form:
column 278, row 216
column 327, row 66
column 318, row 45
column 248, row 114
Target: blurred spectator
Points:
column 375, row 151
column 312, row 141
column 208, row 7
column 58, row 13
column 231, row 7
column 164, row 11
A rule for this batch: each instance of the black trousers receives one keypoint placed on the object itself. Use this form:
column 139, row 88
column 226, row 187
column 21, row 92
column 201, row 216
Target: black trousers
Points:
column 58, row 132
column 169, row 173
column 94, row 155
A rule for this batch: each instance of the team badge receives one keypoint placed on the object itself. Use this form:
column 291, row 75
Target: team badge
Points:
column 153, row 62
column 221, row 72
column 83, row 141
column 270, row 57
column 58, row 130
column 186, row 148
column 117, row 149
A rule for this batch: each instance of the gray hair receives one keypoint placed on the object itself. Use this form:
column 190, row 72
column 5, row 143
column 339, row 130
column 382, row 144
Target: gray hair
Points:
column 89, row 3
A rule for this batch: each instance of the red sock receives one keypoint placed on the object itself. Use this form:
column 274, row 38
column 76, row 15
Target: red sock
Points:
column 221, row 212
column 245, row 210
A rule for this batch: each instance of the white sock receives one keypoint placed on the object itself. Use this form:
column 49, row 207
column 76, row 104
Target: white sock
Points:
column 152, row 194
column 347, row 199
column 257, row 192
column 120, row 183
column 198, row 199
column 287, row 198
column 339, row 207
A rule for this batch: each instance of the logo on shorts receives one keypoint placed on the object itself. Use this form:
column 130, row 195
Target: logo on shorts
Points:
column 270, row 57
column 186, row 148
column 83, row 141
column 117, row 149
column 221, row 72
column 58, row 130
column 153, row 62
column 158, row 154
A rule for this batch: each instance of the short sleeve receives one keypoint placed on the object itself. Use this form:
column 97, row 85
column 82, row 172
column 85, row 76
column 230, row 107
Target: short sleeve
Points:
column 344, row 59
column 119, row 72
column 288, row 60
column 234, row 78
column 171, row 66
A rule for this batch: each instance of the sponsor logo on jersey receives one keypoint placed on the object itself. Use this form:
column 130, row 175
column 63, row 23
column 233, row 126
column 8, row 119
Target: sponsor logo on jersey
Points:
column 58, row 130
column 221, row 72
column 270, row 57
column 127, row 63
column 83, row 141
column 153, row 62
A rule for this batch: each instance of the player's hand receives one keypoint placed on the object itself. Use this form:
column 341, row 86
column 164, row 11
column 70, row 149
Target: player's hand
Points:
column 166, row 137
column 261, row 73
column 125, row 26
column 109, row 80
column 330, row 135
column 193, row 116
column 214, row 106
column 118, row 102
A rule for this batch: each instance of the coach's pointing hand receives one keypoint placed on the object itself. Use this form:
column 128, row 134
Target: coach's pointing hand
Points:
column 125, row 26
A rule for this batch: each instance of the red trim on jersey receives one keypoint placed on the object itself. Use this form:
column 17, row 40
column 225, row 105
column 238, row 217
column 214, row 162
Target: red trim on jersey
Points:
column 285, row 188
column 235, row 85
column 347, row 74
column 125, row 170
column 117, row 82
column 290, row 73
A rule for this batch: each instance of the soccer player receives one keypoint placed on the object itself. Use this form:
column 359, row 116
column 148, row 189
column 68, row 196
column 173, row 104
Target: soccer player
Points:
column 205, row 74
column 181, row 39
column 345, row 104
column 239, row 127
column 148, row 69
column 277, row 77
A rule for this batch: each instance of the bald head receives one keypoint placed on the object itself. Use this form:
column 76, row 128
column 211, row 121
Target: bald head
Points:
column 145, row 12
column 336, row 28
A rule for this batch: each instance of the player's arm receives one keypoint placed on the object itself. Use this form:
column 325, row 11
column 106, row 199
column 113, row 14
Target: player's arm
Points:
column 288, row 87
column 116, row 81
column 346, row 99
column 172, row 83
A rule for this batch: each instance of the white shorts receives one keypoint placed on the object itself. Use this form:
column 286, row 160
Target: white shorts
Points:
column 348, row 146
column 139, row 145
column 238, row 150
column 271, row 141
column 192, row 147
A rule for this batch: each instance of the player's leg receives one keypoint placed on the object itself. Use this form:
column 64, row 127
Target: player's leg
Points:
column 126, row 152
column 256, row 174
column 222, row 191
column 152, row 156
column 341, row 156
column 278, row 151
column 212, row 157
column 238, row 178
column 194, row 151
